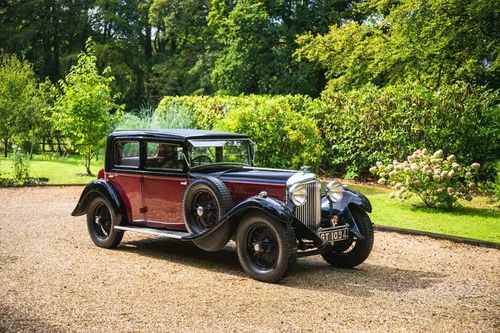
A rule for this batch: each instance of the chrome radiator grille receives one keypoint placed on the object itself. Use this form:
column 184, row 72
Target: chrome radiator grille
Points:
column 310, row 212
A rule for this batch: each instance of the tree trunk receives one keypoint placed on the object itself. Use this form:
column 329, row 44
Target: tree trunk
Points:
column 89, row 173
column 43, row 145
column 59, row 145
column 5, row 143
column 31, row 149
column 148, row 48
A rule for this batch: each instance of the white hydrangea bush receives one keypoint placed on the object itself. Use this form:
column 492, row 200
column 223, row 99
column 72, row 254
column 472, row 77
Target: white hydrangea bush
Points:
column 437, row 180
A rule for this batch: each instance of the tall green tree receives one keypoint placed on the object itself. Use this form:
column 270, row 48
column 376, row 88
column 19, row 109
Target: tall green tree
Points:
column 19, row 100
column 432, row 42
column 84, row 107
column 243, row 36
column 49, row 33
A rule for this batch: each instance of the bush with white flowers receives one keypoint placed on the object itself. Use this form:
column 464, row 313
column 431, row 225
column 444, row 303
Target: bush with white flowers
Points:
column 437, row 180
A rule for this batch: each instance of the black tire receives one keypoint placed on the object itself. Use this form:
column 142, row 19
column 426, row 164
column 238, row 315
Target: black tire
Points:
column 101, row 219
column 212, row 196
column 353, row 252
column 269, row 258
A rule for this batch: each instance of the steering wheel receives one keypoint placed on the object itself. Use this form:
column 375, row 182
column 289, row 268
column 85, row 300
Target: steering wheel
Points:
column 198, row 160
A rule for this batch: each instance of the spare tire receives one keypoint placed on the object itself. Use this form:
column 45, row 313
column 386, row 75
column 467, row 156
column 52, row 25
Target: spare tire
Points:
column 205, row 202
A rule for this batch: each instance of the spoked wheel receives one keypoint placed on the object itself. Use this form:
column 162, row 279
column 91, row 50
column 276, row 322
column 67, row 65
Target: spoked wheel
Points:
column 262, row 247
column 266, row 248
column 353, row 251
column 101, row 219
column 205, row 202
column 205, row 209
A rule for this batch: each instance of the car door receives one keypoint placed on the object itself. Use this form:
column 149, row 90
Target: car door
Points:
column 164, row 184
column 125, row 175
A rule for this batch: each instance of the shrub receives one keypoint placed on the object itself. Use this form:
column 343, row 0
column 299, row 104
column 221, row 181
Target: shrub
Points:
column 175, row 116
column 207, row 111
column 20, row 167
column 496, row 186
column 369, row 124
column 285, row 139
column 285, row 136
column 438, row 181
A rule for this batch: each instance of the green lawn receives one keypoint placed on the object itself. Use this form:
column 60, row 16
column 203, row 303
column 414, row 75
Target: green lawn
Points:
column 59, row 170
column 477, row 219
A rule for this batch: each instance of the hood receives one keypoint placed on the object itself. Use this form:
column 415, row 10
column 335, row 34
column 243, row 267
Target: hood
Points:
column 250, row 175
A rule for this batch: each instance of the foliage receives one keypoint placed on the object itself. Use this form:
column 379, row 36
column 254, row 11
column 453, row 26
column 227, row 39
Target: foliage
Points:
column 369, row 124
column 431, row 42
column 207, row 111
column 475, row 219
column 438, row 181
column 497, row 182
column 84, row 106
column 19, row 101
column 174, row 116
column 20, row 167
column 285, row 137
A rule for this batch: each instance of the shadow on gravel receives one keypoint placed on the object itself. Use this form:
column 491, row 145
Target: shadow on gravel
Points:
column 310, row 274
column 363, row 281
column 186, row 253
column 13, row 320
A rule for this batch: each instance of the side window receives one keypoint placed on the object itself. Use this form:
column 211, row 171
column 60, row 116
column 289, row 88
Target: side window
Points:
column 127, row 154
column 164, row 156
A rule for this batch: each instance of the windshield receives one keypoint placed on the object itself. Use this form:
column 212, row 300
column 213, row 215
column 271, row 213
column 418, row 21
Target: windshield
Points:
column 214, row 152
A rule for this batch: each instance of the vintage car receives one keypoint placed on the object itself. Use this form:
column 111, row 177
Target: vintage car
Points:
column 201, row 187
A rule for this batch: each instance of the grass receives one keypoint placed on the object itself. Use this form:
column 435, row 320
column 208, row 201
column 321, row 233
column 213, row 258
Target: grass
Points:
column 477, row 219
column 59, row 170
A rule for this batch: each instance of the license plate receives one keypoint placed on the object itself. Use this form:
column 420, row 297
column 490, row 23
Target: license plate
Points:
column 334, row 234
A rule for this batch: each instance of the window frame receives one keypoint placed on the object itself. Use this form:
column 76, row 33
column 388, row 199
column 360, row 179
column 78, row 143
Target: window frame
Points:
column 160, row 169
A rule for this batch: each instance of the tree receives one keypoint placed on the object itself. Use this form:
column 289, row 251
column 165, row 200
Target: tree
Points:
column 432, row 42
column 19, row 103
column 84, row 106
column 242, row 33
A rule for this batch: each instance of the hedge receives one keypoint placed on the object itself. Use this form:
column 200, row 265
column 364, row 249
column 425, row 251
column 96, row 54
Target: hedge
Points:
column 346, row 132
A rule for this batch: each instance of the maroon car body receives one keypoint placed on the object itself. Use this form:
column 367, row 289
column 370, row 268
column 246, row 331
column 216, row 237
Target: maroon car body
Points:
column 201, row 186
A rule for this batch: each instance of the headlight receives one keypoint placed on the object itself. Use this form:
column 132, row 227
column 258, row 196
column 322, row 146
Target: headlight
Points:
column 334, row 191
column 298, row 194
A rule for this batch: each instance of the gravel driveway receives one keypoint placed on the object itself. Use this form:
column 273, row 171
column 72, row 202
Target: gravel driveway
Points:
column 52, row 279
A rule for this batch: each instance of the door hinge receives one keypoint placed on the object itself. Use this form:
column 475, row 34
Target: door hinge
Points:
column 143, row 210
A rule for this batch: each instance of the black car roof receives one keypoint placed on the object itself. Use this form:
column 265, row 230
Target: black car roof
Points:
column 177, row 134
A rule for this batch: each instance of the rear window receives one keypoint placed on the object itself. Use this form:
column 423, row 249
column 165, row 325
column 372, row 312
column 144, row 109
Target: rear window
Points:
column 127, row 154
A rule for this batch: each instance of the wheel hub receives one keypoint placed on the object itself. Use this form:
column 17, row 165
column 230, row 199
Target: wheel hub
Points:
column 258, row 248
column 199, row 211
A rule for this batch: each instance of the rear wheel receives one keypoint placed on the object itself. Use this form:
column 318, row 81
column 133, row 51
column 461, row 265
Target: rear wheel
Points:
column 101, row 220
column 266, row 248
column 353, row 252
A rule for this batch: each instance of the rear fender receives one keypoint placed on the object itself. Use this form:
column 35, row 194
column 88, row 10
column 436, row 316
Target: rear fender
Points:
column 99, row 187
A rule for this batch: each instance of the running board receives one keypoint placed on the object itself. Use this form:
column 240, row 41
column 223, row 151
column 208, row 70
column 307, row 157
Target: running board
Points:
column 157, row 232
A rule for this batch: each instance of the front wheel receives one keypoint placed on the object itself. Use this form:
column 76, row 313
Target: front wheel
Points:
column 101, row 220
column 266, row 248
column 353, row 252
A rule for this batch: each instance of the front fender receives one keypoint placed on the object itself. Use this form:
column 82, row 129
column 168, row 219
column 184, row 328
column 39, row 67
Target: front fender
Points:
column 350, row 197
column 226, row 226
column 103, row 188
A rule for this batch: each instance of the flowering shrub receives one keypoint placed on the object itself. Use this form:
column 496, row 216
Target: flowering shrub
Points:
column 438, row 181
